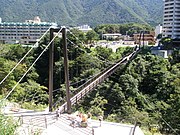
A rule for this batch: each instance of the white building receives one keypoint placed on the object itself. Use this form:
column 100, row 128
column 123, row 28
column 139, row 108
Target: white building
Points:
column 84, row 28
column 111, row 36
column 171, row 23
column 157, row 50
column 24, row 33
column 158, row 30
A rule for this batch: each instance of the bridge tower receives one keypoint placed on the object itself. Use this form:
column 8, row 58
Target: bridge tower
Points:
column 66, row 68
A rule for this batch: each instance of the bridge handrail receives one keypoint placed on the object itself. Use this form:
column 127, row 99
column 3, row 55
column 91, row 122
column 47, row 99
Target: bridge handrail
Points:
column 99, row 74
column 98, row 78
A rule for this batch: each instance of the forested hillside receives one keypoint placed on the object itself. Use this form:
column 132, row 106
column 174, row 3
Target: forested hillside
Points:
column 77, row 12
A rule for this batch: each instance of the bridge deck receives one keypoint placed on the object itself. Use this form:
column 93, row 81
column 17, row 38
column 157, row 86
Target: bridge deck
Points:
column 92, row 83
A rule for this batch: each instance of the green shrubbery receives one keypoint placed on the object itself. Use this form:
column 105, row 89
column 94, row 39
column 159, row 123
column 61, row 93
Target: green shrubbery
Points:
column 8, row 125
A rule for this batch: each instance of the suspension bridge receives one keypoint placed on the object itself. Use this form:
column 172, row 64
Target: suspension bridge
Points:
column 41, row 120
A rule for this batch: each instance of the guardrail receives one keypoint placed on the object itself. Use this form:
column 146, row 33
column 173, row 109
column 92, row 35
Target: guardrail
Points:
column 92, row 83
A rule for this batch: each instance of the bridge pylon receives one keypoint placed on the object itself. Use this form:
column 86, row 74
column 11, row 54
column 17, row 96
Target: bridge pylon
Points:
column 66, row 67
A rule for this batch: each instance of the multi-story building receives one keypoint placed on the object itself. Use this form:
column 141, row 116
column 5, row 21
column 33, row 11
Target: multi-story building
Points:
column 147, row 37
column 24, row 33
column 171, row 23
column 158, row 30
column 84, row 28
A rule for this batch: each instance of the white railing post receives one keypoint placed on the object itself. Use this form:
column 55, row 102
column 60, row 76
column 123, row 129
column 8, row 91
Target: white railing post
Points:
column 45, row 122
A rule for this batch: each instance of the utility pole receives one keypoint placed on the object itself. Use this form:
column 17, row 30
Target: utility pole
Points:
column 51, row 61
column 140, row 39
column 66, row 69
column 143, row 39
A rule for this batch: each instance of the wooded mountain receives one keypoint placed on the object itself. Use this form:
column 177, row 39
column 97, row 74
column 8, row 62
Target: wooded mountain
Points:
column 77, row 12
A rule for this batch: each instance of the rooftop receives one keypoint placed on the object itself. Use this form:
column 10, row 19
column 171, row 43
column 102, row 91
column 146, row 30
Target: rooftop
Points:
column 35, row 22
column 25, row 24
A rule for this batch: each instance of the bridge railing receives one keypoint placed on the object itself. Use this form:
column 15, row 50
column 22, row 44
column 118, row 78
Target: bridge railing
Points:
column 92, row 83
column 99, row 74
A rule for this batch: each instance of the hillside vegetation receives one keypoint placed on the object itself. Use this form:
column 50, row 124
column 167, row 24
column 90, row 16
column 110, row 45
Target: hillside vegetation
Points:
column 145, row 91
column 77, row 12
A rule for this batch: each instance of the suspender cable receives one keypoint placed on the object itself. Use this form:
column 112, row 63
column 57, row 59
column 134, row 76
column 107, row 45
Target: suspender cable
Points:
column 75, row 37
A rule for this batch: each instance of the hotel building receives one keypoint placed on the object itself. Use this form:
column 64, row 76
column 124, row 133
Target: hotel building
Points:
column 23, row 33
column 171, row 22
column 149, row 38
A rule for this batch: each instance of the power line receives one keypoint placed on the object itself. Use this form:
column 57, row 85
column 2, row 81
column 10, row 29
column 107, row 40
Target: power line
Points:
column 33, row 64
column 23, row 57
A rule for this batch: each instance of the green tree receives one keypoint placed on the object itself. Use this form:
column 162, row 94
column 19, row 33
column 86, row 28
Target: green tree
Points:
column 167, row 43
column 30, row 91
column 175, row 58
column 7, row 124
column 91, row 36
column 97, row 105
column 16, row 52
column 103, row 53
column 5, row 67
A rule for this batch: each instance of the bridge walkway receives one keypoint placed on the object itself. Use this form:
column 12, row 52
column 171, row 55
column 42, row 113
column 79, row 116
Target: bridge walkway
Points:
column 91, row 84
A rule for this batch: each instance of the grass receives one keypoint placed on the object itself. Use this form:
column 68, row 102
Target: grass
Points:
column 147, row 132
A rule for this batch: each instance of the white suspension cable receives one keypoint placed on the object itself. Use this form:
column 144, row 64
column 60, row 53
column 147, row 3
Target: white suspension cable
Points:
column 105, row 61
column 75, row 44
column 23, row 57
column 170, row 126
column 71, row 84
column 56, row 89
column 33, row 63
column 76, row 37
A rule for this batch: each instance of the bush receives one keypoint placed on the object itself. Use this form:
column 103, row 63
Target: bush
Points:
column 7, row 124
